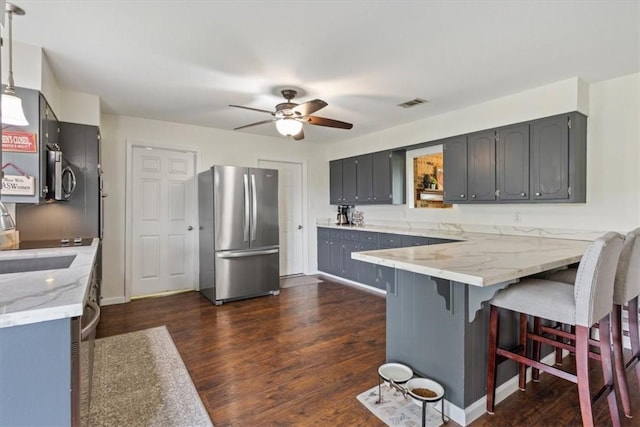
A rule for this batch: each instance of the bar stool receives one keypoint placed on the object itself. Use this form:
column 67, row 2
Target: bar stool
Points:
column 626, row 291
column 582, row 305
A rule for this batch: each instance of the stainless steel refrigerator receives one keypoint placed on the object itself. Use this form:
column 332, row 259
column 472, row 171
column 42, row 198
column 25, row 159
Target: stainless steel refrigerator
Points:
column 239, row 252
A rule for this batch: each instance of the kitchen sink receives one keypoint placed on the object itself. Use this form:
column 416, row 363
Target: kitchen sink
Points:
column 23, row 265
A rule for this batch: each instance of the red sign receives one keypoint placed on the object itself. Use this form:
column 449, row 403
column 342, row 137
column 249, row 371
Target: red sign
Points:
column 22, row 142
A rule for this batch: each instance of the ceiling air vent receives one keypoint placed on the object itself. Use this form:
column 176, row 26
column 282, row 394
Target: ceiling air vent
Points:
column 413, row 103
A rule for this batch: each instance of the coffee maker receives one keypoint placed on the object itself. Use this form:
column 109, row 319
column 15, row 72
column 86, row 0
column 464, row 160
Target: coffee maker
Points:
column 344, row 215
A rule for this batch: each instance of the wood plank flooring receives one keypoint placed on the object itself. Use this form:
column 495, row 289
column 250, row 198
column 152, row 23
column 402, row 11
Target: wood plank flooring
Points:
column 300, row 359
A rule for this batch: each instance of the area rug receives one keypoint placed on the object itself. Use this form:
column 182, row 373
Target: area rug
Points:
column 289, row 282
column 397, row 410
column 139, row 379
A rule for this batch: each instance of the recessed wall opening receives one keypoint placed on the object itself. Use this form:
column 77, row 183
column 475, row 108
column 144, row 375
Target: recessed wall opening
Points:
column 425, row 178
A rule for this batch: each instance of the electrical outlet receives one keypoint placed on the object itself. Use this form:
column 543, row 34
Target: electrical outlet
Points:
column 517, row 217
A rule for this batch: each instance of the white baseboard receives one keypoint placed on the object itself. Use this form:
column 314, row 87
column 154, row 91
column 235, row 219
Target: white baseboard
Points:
column 353, row 283
column 112, row 301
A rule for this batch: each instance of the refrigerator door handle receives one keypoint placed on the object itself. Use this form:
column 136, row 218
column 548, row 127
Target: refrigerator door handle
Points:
column 254, row 207
column 241, row 254
column 246, row 208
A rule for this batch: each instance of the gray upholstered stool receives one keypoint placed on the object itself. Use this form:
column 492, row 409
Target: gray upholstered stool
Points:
column 582, row 305
column 625, row 292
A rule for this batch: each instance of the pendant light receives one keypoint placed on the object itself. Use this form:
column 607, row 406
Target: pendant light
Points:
column 12, row 112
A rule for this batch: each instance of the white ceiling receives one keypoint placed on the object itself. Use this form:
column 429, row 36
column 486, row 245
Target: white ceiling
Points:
column 185, row 61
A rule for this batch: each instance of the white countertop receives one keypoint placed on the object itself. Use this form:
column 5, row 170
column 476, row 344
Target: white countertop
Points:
column 481, row 261
column 478, row 258
column 40, row 296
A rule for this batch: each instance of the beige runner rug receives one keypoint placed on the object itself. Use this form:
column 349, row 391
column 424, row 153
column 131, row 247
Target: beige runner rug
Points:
column 140, row 379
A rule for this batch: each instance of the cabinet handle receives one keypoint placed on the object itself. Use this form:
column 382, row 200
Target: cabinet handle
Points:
column 538, row 194
column 462, row 196
column 473, row 196
column 523, row 194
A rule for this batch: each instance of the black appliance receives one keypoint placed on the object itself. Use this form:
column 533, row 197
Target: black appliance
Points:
column 344, row 215
column 61, row 179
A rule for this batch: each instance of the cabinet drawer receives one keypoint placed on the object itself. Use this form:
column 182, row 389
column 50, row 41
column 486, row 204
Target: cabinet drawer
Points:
column 415, row 241
column 336, row 234
column 388, row 241
column 351, row 235
column 323, row 233
column 368, row 237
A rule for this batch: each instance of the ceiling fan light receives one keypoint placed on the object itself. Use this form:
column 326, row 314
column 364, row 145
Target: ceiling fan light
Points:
column 12, row 112
column 288, row 127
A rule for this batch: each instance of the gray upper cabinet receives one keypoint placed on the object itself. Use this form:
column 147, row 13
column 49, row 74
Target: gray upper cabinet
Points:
column 376, row 178
column 540, row 161
column 335, row 182
column 455, row 169
column 481, row 166
column 512, row 162
column 349, row 183
column 363, row 179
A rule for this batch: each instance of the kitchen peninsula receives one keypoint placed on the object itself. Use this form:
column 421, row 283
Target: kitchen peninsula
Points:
column 436, row 320
column 42, row 298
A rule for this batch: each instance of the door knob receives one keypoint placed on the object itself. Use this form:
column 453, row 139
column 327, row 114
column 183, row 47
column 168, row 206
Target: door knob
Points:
column 189, row 228
column 299, row 227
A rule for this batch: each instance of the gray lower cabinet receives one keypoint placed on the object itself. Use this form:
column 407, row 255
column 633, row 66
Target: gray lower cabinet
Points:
column 336, row 246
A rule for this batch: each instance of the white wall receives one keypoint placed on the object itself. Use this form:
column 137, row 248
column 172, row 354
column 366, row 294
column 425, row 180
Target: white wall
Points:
column 77, row 107
column 613, row 153
column 215, row 146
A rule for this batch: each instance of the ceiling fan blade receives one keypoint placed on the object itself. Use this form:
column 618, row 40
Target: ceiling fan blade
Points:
column 321, row 121
column 309, row 107
column 255, row 124
column 299, row 135
column 252, row 109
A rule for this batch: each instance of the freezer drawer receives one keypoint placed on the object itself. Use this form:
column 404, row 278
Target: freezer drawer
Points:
column 245, row 274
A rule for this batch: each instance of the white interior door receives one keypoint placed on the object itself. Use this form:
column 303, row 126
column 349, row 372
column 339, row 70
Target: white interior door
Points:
column 163, row 221
column 290, row 202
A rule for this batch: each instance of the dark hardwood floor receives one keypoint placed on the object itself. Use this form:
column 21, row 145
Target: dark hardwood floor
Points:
column 300, row 359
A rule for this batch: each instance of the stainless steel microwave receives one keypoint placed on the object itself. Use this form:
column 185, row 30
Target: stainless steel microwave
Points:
column 61, row 181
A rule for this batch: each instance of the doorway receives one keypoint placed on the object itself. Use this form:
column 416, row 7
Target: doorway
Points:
column 291, row 212
column 162, row 222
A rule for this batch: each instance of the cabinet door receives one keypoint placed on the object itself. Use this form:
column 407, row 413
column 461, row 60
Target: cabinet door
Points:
column 349, row 180
column 513, row 163
column 350, row 266
column 324, row 253
column 381, row 177
column 366, row 270
column 335, row 257
column 481, row 164
column 364, row 177
column 455, row 169
column 385, row 277
column 335, row 182
column 550, row 159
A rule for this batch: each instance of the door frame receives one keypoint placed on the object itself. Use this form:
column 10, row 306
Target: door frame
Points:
column 305, row 204
column 128, row 205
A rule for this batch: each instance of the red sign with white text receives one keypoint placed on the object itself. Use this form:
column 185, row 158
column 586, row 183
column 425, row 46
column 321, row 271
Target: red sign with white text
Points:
column 22, row 142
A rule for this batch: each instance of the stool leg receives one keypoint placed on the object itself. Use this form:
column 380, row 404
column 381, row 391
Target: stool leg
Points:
column 582, row 368
column 607, row 372
column 494, row 325
column 634, row 333
column 522, row 368
column 558, row 349
column 618, row 359
column 535, row 373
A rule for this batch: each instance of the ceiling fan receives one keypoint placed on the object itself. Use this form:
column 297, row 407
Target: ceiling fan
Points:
column 290, row 116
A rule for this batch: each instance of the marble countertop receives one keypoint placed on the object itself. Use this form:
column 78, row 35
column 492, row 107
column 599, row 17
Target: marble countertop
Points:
column 40, row 296
column 483, row 255
column 484, row 261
